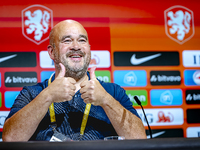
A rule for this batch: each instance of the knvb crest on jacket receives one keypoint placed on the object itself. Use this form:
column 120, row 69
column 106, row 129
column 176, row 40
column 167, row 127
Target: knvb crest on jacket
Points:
column 179, row 23
column 37, row 21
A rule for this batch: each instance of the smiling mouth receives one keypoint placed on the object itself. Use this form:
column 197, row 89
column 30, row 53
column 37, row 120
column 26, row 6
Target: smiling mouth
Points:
column 75, row 56
column 78, row 54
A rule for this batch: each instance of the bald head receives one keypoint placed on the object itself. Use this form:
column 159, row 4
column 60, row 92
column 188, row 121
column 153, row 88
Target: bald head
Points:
column 59, row 30
column 69, row 45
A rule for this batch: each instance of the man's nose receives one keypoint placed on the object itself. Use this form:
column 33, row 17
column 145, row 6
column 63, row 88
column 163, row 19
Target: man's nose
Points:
column 75, row 46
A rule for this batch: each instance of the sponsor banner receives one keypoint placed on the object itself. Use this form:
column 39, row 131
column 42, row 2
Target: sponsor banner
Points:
column 165, row 133
column 166, row 97
column 141, row 94
column 18, row 59
column 46, row 75
column 162, row 116
column 146, row 58
column 100, row 58
column 130, row 78
column 0, row 100
column 3, row 115
column 103, row 75
column 193, row 115
column 37, row 21
column 191, row 58
column 20, row 79
column 192, row 77
column 193, row 132
column 0, row 79
column 165, row 78
column 45, row 60
column 192, row 96
column 179, row 23
column 10, row 97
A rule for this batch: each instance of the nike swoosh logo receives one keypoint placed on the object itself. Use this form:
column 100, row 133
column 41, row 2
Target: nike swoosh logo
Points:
column 156, row 134
column 137, row 61
column 7, row 57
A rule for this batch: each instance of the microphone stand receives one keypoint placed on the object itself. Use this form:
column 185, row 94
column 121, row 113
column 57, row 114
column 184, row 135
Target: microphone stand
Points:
column 139, row 103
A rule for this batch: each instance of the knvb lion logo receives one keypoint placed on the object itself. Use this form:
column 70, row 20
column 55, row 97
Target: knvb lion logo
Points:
column 179, row 23
column 37, row 21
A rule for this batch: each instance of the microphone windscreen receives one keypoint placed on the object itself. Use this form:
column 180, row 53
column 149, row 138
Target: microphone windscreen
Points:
column 137, row 100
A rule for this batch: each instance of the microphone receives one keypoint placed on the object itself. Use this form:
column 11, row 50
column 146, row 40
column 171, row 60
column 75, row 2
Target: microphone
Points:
column 139, row 103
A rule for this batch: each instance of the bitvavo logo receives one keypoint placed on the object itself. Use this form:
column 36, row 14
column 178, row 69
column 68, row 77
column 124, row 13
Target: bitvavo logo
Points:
column 192, row 96
column 20, row 79
column 165, row 78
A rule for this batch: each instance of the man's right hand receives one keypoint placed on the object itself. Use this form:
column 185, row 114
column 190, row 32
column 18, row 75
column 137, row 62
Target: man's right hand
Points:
column 62, row 88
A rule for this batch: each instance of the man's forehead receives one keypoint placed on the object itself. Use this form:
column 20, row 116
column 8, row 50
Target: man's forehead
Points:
column 71, row 36
column 71, row 30
column 75, row 30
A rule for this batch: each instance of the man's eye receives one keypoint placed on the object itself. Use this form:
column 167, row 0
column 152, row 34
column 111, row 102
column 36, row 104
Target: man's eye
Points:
column 82, row 40
column 67, row 40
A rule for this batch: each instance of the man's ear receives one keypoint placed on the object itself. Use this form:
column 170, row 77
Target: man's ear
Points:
column 50, row 51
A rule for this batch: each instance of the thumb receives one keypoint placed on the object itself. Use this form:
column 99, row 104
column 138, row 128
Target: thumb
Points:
column 62, row 70
column 92, row 74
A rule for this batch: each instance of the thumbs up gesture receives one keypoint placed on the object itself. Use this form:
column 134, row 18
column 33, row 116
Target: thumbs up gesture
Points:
column 62, row 88
column 92, row 91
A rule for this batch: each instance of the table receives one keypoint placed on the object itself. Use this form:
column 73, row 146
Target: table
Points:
column 145, row 144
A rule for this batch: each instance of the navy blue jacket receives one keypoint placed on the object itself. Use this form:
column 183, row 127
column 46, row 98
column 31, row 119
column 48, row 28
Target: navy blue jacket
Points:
column 69, row 114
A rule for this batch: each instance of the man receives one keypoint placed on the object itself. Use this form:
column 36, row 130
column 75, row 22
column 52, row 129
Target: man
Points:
column 70, row 89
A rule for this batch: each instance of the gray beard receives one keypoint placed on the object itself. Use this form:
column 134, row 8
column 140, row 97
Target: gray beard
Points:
column 76, row 73
column 73, row 72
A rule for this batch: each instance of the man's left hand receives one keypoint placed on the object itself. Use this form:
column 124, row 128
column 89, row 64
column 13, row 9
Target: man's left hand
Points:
column 92, row 91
